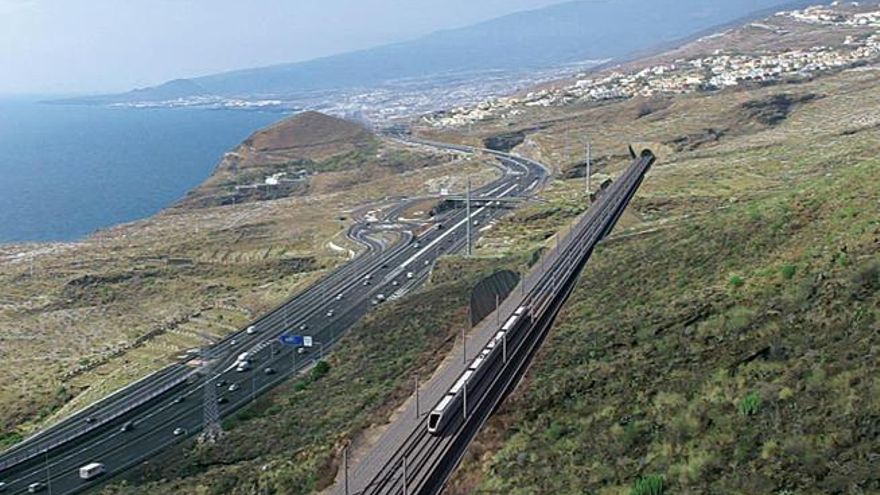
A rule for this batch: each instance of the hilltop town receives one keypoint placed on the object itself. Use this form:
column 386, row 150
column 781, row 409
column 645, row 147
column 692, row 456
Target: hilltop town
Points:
column 858, row 28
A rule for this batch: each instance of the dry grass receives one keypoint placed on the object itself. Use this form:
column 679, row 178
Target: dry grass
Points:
column 79, row 320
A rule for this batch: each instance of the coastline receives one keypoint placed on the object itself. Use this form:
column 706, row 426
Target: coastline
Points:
column 69, row 172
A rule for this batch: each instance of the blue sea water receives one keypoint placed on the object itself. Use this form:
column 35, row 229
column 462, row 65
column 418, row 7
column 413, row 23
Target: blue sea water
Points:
column 66, row 171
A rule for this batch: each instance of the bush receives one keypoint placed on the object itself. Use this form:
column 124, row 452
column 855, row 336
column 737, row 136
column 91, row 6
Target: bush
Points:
column 788, row 271
column 649, row 485
column 10, row 438
column 736, row 281
column 865, row 282
column 320, row 369
column 750, row 404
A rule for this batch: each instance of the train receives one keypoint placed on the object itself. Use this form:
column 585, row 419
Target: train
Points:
column 454, row 404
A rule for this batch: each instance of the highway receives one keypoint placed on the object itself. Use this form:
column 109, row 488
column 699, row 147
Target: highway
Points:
column 168, row 407
column 419, row 452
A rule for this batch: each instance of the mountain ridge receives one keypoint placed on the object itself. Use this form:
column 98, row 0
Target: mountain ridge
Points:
column 558, row 34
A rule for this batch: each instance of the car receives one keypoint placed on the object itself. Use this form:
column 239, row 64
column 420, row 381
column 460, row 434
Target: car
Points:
column 368, row 276
column 179, row 431
column 222, row 400
column 330, row 313
column 177, row 400
column 127, row 426
column 301, row 350
column 36, row 487
column 366, row 283
column 427, row 262
column 395, row 283
column 417, row 245
column 339, row 296
column 233, row 342
column 269, row 371
column 234, row 387
column 410, row 274
column 2, row 486
column 303, row 326
column 221, row 383
column 90, row 420
column 384, row 265
column 251, row 330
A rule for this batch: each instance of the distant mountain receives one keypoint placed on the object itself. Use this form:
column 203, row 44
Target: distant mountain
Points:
column 172, row 90
column 559, row 34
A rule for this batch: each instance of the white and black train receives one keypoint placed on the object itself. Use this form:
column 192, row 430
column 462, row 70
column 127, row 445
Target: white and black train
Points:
column 454, row 403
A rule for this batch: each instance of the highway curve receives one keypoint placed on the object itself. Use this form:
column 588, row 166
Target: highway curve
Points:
column 166, row 408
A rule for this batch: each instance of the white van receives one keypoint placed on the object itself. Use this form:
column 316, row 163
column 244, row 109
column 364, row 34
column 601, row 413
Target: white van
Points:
column 91, row 470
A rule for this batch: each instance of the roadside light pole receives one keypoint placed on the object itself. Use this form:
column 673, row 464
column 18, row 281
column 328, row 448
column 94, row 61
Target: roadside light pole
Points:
column 467, row 206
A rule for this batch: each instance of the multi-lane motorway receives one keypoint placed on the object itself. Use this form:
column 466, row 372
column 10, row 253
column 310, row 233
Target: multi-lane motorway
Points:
column 168, row 407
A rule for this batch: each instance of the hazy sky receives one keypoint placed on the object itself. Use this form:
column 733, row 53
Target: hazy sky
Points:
column 67, row 46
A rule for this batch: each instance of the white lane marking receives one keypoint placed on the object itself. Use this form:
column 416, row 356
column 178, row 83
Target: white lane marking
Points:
column 433, row 243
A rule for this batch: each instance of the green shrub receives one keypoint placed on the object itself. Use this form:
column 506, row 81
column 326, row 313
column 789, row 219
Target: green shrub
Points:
column 649, row 485
column 788, row 271
column 736, row 281
column 10, row 438
column 320, row 369
column 750, row 404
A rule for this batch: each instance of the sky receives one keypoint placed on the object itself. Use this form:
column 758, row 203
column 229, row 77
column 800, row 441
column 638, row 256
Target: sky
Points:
column 56, row 47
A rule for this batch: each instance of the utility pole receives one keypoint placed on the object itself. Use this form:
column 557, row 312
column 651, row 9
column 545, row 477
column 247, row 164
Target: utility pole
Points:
column 464, row 400
column 48, row 473
column 589, row 166
column 345, row 461
column 568, row 145
column 405, row 491
column 464, row 345
column 467, row 206
column 212, row 429
column 418, row 414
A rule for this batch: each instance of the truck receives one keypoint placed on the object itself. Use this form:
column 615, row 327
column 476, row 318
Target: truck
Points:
column 91, row 470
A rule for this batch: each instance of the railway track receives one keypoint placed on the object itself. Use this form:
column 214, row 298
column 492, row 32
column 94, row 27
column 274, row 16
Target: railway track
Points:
column 428, row 456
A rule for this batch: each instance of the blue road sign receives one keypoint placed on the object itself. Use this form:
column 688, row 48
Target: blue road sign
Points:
column 294, row 340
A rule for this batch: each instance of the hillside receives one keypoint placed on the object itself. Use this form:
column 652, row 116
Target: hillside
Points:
column 559, row 34
column 723, row 339
column 308, row 153
column 310, row 135
column 79, row 320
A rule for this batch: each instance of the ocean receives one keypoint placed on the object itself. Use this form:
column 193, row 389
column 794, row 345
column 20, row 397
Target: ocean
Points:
column 66, row 170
